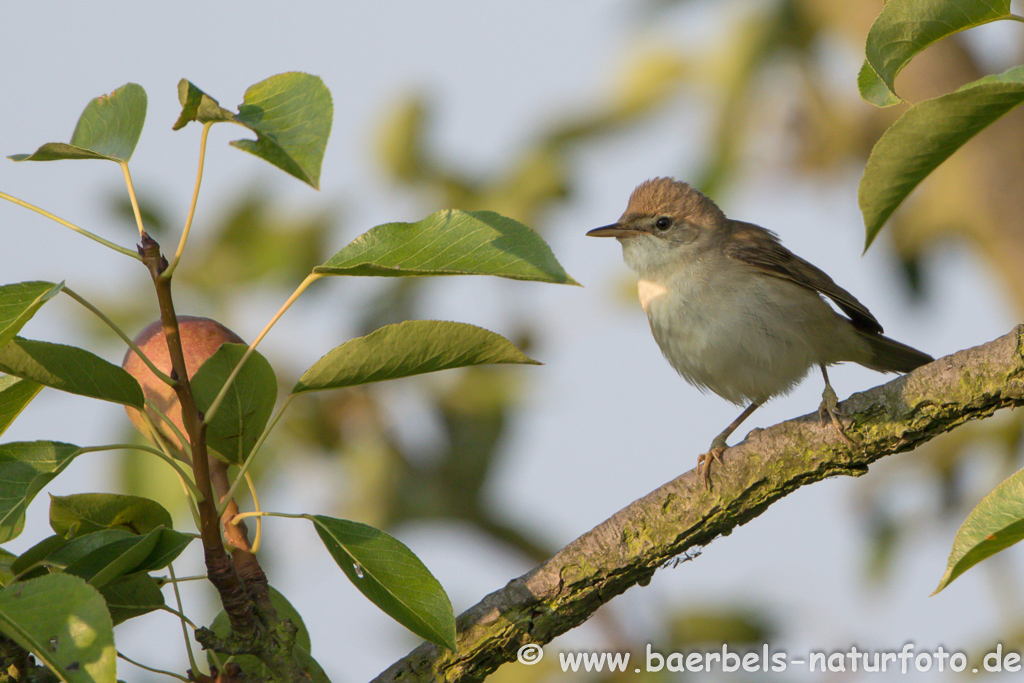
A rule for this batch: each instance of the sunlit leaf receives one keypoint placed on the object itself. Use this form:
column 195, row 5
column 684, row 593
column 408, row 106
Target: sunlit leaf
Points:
column 70, row 369
column 450, row 243
column 84, row 513
column 109, row 128
column 994, row 525
column 906, row 27
column 19, row 302
column 925, row 136
column 391, row 576
column 409, row 348
column 25, row 468
column 247, row 406
column 63, row 622
column 291, row 114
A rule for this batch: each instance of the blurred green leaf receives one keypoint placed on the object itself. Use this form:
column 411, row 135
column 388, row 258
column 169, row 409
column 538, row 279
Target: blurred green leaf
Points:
column 925, row 136
column 246, row 407
column 251, row 665
column 291, row 114
column 109, row 128
column 257, row 243
column 198, row 106
column 695, row 627
column 450, row 243
column 15, row 394
column 906, row 27
column 70, row 369
column 25, row 468
column 84, row 513
column 64, row 622
column 19, row 302
column 132, row 596
column 994, row 525
column 410, row 348
column 391, row 576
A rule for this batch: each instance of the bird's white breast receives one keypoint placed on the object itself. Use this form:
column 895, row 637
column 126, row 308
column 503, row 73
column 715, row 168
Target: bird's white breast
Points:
column 649, row 291
column 729, row 331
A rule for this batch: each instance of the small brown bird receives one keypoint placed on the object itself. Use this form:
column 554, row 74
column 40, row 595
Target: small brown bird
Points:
column 736, row 312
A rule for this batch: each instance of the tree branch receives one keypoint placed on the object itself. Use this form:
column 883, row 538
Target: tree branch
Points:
column 628, row 548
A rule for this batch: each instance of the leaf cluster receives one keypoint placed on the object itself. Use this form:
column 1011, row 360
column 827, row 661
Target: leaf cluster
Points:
column 99, row 565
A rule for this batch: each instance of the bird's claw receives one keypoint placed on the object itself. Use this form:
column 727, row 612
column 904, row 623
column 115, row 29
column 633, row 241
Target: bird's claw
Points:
column 704, row 462
column 829, row 409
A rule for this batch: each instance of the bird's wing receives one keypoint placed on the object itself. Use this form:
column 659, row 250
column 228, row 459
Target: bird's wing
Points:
column 761, row 249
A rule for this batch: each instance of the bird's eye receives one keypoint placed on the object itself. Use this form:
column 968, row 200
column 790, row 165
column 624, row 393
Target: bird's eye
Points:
column 663, row 223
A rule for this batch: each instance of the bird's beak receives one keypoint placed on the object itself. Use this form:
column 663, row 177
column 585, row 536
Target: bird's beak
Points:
column 613, row 230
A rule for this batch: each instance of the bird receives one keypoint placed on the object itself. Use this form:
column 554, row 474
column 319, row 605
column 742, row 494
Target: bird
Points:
column 737, row 313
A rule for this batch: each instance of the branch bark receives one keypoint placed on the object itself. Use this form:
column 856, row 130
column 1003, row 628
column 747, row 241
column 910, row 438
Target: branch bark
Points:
column 629, row 547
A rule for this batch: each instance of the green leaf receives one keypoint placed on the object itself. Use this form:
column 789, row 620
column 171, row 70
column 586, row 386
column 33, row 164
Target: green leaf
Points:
column 926, row 135
column 409, row 348
column 291, row 114
column 104, row 556
column 251, row 665
column 114, row 560
column 198, row 106
column 109, row 128
column 906, row 27
column 391, row 576
column 247, row 406
column 31, row 562
column 15, row 394
column 450, row 243
column 84, row 513
column 169, row 545
column 7, row 560
column 25, row 468
column 132, row 596
column 19, row 302
column 64, row 622
column 70, row 369
column 873, row 89
column 995, row 524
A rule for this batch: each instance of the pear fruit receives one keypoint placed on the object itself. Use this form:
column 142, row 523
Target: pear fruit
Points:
column 200, row 339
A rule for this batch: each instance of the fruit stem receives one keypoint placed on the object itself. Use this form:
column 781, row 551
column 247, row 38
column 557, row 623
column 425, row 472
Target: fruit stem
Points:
column 70, row 226
column 192, row 208
column 310, row 279
column 119, row 332
column 134, row 199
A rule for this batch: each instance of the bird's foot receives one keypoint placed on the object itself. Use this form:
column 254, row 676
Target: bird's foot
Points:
column 829, row 409
column 704, row 461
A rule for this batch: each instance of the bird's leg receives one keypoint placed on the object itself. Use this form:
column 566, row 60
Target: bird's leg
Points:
column 718, row 446
column 830, row 408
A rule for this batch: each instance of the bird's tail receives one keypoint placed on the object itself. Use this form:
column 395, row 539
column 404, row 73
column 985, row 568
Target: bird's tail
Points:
column 889, row 355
